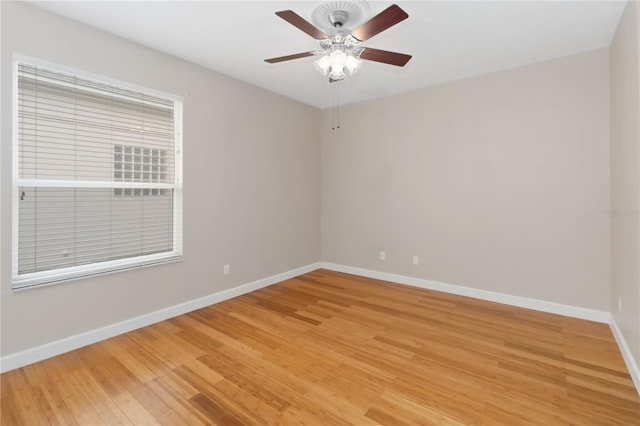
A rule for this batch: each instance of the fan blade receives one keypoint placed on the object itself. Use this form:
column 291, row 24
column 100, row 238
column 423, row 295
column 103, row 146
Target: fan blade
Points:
column 383, row 20
column 299, row 22
column 384, row 56
column 289, row 57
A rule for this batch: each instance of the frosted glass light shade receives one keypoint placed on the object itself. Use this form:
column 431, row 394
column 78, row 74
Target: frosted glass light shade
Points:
column 353, row 64
column 323, row 64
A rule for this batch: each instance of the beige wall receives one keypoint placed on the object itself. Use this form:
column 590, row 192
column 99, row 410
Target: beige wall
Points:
column 498, row 182
column 625, row 177
column 251, row 192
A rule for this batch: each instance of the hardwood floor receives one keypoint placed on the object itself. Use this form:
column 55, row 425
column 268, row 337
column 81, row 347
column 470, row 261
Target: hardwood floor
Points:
column 329, row 348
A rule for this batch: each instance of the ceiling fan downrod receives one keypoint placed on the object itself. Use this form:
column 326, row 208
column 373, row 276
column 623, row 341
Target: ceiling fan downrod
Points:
column 338, row 18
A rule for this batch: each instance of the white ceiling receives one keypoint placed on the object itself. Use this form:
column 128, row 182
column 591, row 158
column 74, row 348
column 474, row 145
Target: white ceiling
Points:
column 449, row 40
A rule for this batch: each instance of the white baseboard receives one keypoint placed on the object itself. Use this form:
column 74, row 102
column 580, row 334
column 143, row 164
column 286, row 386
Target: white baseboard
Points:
column 523, row 302
column 632, row 366
column 30, row 356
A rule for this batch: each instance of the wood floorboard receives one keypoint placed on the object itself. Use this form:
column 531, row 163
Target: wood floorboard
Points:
column 329, row 348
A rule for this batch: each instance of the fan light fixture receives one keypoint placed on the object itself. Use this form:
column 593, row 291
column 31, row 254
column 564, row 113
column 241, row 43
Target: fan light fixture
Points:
column 337, row 64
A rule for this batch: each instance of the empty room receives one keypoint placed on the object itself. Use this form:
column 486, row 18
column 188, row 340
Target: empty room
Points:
column 320, row 213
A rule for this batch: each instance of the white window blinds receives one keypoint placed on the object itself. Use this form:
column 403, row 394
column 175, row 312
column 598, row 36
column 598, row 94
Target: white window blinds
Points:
column 98, row 178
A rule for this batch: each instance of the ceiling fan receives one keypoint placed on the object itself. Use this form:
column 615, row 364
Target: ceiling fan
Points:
column 341, row 51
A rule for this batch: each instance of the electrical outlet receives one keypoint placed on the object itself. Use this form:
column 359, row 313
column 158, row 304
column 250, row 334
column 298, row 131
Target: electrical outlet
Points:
column 383, row 255
column 227, row 269
column 416, row 260
column 619, row 304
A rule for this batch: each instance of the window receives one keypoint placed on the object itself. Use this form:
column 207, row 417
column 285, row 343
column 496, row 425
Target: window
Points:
column 97, row 181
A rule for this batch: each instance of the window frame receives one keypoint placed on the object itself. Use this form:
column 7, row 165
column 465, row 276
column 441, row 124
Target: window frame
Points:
column 39, row 279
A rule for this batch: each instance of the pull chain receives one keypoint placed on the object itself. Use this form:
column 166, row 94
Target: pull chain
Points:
column 335, row 110
column 338, row 107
